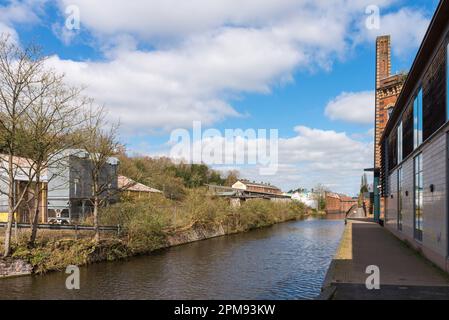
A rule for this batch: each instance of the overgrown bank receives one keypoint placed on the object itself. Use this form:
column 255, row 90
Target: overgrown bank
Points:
column 156, row 223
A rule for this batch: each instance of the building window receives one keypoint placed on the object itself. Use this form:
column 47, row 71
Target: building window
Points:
column 389, row 112
column 400, row 182
column 76, row 186
column 399, row 142
column 417, row 119
column 392, row 151
column 407, row 131
column 418, row 197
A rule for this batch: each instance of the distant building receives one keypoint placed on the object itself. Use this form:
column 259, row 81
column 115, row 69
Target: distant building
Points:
column 253, row 187
column 22, row 178
column 338, row 203
column 308, row 198
column 133, row 189
column 244, row 190
column 415, row 148
column 70, row 186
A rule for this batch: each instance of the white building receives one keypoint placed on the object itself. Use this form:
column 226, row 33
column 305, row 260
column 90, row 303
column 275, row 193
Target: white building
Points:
column 307, row 198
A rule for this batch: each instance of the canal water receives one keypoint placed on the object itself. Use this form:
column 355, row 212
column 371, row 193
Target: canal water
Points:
column 286, row 261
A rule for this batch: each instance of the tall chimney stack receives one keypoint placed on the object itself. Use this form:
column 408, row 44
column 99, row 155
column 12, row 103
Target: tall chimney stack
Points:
column 383, row 59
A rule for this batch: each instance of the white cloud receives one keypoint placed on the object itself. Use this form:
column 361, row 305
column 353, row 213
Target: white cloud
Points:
column 19, row 12
column 5, row 30
column 23, row 12
column 312, row 156
column 355, row 107
column 367, row 135
column 204, row 53
column 171, row 88
column 172, row 18
column 224, row 49
column 406, row 27
column 322, row 156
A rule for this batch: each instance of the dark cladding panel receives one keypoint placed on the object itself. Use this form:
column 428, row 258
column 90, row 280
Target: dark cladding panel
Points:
column 434, row 95
column 392, row 150
column 384, row 169
column 407, row 123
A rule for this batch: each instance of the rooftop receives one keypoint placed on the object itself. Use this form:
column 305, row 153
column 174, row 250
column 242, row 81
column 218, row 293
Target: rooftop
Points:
column 256, row 184
column 129, row 184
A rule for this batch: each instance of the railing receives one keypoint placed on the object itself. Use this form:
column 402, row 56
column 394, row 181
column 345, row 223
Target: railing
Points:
column 349, row 212
column 64, row 227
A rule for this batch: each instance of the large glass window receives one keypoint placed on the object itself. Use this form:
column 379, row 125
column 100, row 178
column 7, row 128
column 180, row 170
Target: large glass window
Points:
column 400, row 205
column 418, row 196
column 417, row 119
column 400, row 142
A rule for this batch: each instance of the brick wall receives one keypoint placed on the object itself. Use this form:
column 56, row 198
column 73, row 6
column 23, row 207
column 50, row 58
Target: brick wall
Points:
column 338, row 204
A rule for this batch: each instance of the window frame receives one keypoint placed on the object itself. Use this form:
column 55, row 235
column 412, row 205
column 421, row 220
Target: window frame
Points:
column 76, row 187
column 400, row 138
column 418, row 195
column 418, row 119
column 390, row 110
column 447, row 81
column 400, row 198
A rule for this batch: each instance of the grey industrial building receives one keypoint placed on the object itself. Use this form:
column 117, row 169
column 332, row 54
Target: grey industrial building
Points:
column 70, row 185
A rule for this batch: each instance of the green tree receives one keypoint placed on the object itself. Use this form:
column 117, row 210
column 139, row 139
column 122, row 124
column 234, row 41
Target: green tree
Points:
column 364, row 184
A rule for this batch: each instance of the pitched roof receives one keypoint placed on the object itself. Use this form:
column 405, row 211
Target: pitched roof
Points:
column 23, row 168
column 129, row 184
column 256, row 184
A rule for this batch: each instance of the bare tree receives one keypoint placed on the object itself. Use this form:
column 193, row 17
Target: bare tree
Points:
column 53, row 124
column 101, row 144
column 233, row 177
column 21, row 70
column 319, row 193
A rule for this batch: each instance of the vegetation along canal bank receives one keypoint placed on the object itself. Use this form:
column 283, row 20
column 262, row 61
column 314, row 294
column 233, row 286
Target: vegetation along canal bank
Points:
column 148, row 225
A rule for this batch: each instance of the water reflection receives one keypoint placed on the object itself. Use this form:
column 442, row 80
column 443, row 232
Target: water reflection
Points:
column 286, row 261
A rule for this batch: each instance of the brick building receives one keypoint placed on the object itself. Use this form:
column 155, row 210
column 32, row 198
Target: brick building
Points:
column 254, row 187
column 388, row 88
column 338, row 203
column 415, row 149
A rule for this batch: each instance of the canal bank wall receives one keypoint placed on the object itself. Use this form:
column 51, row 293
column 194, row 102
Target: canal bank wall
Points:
column 57, row 255
column 14, row 268
column 196, row 233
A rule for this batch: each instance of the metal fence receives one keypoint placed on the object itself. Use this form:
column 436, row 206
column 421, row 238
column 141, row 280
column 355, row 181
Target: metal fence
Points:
column 64, row 227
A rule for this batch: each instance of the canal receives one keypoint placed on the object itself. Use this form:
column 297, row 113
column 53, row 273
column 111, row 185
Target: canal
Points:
column 286, row 261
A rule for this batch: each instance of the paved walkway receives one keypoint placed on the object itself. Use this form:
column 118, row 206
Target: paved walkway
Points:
column 403, row 273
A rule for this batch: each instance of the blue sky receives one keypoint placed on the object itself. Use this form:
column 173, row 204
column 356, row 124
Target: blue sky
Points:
column 303, row 67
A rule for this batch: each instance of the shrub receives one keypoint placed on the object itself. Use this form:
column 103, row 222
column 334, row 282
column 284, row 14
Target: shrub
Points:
column 142, row 222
